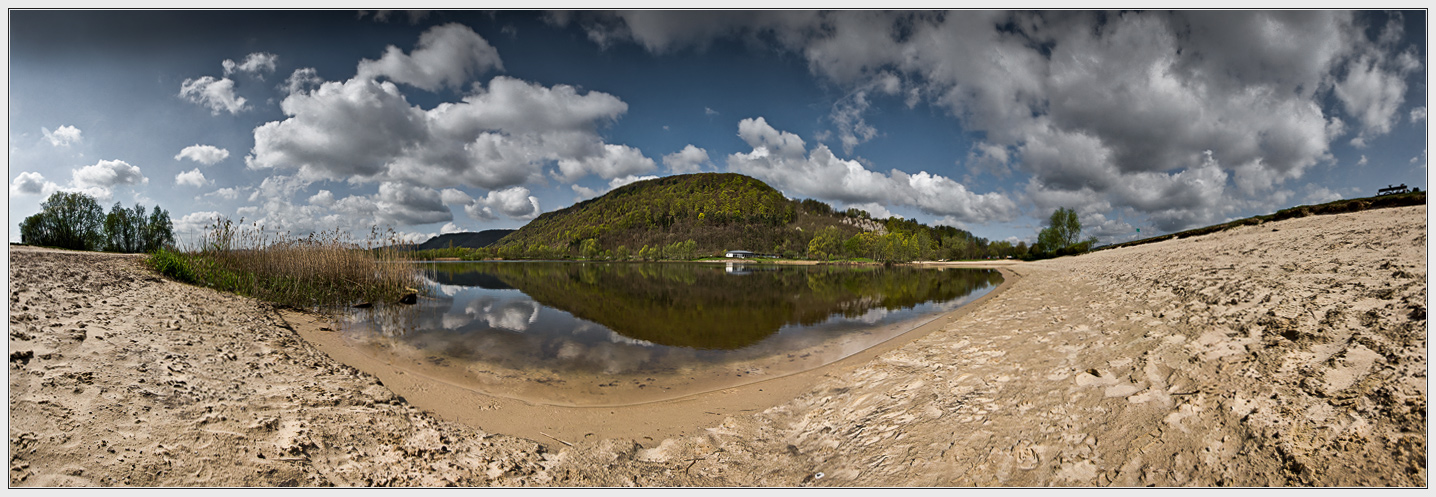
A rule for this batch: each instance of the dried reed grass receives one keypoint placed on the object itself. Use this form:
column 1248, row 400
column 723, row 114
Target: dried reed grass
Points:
column 321, row 270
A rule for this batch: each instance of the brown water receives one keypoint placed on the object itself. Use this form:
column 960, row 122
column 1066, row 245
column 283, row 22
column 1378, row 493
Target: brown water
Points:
column 568, row 333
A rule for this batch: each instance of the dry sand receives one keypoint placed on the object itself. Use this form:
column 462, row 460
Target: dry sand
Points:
column 1288, row 353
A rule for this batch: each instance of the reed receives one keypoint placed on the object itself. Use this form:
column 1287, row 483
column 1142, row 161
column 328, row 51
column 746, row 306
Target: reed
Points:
column 320, row 270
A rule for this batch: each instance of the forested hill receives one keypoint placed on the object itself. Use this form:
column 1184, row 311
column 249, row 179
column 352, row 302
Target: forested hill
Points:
column 701, row 215
column 463, row 240
column 717, row 211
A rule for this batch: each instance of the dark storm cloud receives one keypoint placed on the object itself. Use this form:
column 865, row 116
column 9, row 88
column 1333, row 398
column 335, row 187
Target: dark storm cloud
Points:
column 1180, row 115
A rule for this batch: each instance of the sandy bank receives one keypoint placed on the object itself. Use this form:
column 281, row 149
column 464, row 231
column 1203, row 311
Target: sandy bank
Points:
column 646, row 422
column 1288, row 353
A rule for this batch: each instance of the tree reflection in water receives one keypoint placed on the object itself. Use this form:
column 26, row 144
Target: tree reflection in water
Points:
column 646, row 316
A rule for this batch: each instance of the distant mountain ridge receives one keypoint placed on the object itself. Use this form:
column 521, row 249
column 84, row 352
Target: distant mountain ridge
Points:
column 465, row 240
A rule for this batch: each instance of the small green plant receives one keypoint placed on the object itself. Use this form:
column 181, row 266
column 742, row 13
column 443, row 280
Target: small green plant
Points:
column 173, row 264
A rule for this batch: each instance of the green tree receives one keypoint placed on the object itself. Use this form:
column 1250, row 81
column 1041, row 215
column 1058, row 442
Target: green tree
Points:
column 589, row 248
column 1063, row 230
column 159, row 231
column 827, row 244
column 66, row 220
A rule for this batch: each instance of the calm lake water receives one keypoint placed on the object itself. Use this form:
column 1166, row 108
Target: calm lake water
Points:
column 574, row 333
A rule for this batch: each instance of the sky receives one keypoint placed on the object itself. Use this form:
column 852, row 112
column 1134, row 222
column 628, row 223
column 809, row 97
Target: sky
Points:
column 432, row 122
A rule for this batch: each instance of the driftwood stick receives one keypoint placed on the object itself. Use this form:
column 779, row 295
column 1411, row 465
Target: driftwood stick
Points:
column 556, row 438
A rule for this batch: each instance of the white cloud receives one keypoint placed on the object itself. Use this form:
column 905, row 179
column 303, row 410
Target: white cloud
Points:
column 452, row 228
column 513, row 202
column 1418, row 114
column 689, row 160
column 615, row 161
column 585, row 193
column 256, row 63
column 451, row 196
column 1320, row 195
column 614, row 183
column 1361, row 162
column 779, row 158
column 63, row 136
column 324, row 198
column 192, row 177
column 497, row 137
column 447, row 56
column 1372, row 95
column 342, row 131
column 217, row 94
column 847, row 114
column 405, row 204
column 225, row 193
column 107, row 174
column 32, row 183
column 208, row 155
column 302, row 80
column 196, row 222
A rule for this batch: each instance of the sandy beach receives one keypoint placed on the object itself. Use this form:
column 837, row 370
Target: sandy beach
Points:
column 1291, row 353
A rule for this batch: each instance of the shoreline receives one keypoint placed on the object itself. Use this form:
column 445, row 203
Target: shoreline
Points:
column 1287, row 353
column 660, row 419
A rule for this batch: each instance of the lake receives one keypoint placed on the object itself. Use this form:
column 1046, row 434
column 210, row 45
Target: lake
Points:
column 586, row 333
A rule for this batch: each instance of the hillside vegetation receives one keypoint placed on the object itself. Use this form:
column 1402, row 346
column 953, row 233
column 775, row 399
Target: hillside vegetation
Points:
column 703, row 215
column 718, row 212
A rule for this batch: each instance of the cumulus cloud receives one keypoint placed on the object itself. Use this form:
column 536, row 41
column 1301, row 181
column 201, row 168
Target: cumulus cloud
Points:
column 1087, row 102
column 196, row 222
column 689, row 160
column 500, row 136
column 781, row 159
column 452, row 228
column 208, row 155
column 515, row 202
column 324, row 198
column 62, row 136
column 404, row 204
column 1418, row 114
column 614, row 161
column 340, row 131
column 302, row 80
column 217, row 94
column 1372, row 95
column 452, row 196
column 447, row 56
column 192, row 177
column 32, row 183
column 257, row 64
column 108, row 174
column 225, row 193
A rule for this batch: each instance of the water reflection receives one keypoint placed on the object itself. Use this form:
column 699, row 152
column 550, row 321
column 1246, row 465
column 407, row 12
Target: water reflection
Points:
column 657, row 319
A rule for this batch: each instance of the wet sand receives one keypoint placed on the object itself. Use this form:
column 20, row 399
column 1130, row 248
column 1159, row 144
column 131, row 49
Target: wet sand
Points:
column 631, row 416
column 1286, row 353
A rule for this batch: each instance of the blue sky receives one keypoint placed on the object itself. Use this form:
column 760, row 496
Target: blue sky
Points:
column 433, row 122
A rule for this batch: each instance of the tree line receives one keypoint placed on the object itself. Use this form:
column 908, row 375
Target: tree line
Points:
column 73, row 220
